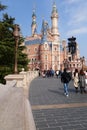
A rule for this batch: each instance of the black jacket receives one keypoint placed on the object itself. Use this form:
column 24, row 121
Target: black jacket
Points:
column 65, row 77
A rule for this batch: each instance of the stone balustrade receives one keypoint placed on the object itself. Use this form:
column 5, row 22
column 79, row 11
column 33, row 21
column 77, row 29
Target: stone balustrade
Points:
column 23, row 78
column 14, row 93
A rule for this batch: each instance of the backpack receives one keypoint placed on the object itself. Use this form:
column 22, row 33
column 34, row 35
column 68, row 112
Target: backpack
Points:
column 68, row 78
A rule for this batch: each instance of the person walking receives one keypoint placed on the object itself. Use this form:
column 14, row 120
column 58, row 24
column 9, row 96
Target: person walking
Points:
column 65, row 79
column 57, row 73
column 82, row 81
column 86, row 77
column 76, row 80
column 86, row 80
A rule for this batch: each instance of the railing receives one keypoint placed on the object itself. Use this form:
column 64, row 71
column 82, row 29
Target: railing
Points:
column 23, row 80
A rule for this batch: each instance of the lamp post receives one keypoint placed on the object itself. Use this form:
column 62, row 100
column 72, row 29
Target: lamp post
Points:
column 32, row 64
column 82, row 59
column 66, row 63
column 16, row 34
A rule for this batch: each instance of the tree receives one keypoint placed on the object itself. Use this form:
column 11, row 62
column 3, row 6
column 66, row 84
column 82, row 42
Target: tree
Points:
column 7, row 48
column 2, row 7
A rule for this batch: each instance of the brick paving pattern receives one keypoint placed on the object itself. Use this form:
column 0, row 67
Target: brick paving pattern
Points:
column 52, row 110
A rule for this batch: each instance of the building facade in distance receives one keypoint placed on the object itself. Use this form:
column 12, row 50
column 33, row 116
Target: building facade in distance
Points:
column 46, row 51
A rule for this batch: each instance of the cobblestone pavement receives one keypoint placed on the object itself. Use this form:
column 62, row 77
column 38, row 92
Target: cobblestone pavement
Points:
column 52, row 110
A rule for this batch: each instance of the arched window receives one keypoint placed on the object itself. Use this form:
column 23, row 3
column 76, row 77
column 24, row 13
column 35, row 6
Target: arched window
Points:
column 46, row 46
column 45, row 67
column 45, row 57
column 35, row 49
column 55, row 49
column 55, row 58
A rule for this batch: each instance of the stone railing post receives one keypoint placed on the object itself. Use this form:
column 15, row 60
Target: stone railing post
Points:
column 17, row 77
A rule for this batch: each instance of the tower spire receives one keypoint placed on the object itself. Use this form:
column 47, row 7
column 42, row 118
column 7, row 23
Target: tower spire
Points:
column 44, row 31
column 54, row 20
column 34, row 24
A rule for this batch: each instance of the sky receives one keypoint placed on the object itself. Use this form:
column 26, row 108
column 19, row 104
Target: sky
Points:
column 72, row 19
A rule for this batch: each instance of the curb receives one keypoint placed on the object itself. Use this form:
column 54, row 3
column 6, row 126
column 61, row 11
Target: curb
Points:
column 29, row 121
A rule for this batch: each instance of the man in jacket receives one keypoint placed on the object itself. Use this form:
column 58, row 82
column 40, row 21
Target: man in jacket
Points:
column 65, row 79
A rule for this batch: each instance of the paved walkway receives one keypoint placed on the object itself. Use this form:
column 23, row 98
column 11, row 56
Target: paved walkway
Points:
column 52, row 110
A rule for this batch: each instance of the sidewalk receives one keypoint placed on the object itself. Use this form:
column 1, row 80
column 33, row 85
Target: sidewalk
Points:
column 52, row 110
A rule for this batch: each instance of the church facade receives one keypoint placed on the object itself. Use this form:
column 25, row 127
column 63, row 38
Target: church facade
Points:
column 46, row 51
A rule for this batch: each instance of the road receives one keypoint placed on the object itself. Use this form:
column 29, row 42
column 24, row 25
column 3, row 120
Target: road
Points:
column 52, row 110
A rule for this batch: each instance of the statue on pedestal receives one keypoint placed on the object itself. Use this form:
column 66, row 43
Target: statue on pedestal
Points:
column 72, row 45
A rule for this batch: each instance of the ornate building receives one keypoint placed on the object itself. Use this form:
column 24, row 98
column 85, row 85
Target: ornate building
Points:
column 45, row 50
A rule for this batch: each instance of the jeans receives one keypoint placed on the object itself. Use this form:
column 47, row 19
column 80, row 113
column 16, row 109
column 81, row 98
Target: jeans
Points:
column 66, row 88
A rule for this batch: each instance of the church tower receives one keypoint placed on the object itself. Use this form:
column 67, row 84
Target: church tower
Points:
column 54, row 21
column 56, row 37
column 34, row 25
column 45, row 59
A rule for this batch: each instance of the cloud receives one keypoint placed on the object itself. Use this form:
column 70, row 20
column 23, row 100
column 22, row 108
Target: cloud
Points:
column 78, row 31
column 72, row 1
column 78, row 16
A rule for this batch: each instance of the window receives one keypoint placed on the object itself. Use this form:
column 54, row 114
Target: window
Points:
column 73, row 65
column 55, row 58
column 28, row 50
column 55, row 49
column 35, row 60
column 46, row 46
column 69, row 58
column 32, row 60
column 45, row 57
column 36, row 49
column 45, row 67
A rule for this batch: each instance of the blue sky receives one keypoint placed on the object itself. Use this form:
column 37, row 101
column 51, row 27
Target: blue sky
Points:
column 72, row 17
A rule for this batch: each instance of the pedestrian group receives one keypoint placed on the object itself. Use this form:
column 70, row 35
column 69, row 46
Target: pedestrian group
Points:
column 79, row 81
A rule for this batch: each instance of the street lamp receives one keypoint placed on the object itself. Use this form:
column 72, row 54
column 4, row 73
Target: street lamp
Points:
column 66, row 63
column 16, row 34
column 82, row 59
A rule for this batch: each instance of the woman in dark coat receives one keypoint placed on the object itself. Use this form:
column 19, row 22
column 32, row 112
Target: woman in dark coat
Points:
column 82, row 81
